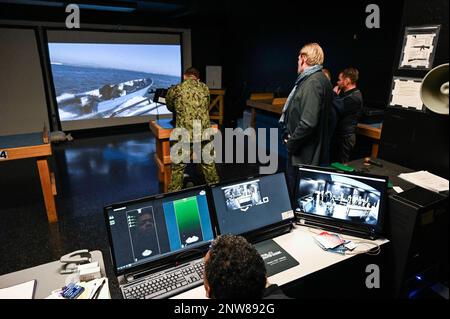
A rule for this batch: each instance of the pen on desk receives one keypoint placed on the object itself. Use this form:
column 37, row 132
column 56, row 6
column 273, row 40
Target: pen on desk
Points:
column 97, row 292
column 93, row 290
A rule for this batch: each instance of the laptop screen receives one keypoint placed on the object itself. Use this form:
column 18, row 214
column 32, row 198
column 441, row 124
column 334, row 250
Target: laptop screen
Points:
column 351, row 198
column 252, row 204
column 145, row 230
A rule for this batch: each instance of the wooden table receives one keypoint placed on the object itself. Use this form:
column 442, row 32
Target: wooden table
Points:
column 372, row 131
column 162, row 130
column 273, row 106
column 33, row 145
column 217, row 105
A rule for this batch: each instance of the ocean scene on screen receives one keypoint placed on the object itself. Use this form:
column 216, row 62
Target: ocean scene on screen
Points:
column 94, row 81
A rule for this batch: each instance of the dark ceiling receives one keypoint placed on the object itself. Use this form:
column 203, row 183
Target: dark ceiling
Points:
column 185, row 13
column 127, row 11
column 173, row 8
column 167, row 7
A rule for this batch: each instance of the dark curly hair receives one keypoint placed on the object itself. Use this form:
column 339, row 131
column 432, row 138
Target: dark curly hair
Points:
column 235, row 269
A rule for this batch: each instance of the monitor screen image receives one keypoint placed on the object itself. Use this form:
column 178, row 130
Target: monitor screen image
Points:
column 143, row 232
column 243, row 196
column 252, row 204
column 95, row 81
column 149, row 230
column 184, row 216
column 339, row 196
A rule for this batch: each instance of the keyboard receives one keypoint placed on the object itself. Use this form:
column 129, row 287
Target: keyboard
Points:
column 166, row 283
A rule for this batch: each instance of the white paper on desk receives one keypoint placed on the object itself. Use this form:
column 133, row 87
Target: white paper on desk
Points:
column 21, row 291
column 407, row 94
column 91, row 286
column 426, row 180
column 55, row 295
column 398, row 189
column 328, row 241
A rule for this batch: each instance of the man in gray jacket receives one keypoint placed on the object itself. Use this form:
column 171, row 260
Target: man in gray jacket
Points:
column 304, row 120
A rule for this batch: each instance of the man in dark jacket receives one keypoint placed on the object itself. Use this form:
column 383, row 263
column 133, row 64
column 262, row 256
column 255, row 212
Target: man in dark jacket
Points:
column 348, row 101
column 304, row 120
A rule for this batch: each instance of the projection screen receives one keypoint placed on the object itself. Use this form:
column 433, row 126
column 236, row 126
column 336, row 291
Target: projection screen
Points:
column 104, row 78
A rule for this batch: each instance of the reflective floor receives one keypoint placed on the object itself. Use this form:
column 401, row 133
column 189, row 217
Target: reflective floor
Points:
column 90, row 173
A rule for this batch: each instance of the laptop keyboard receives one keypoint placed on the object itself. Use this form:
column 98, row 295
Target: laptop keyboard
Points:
column 166, row 283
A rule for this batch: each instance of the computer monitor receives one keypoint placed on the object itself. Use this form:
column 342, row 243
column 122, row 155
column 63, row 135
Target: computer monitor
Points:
column 153, row 229
column 160, row 96
column 252, row 205
column 353, row 203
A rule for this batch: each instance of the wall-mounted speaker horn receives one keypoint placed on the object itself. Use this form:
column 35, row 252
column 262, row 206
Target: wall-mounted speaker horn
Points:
column 434, row 90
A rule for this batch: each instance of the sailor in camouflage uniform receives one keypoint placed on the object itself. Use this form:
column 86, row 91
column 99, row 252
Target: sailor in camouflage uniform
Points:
column 189, row 101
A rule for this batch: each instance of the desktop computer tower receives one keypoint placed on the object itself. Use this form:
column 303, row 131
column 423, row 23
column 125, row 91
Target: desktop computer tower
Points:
column 417, row 227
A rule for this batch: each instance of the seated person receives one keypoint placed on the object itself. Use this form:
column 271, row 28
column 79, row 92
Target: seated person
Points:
column 234, row 269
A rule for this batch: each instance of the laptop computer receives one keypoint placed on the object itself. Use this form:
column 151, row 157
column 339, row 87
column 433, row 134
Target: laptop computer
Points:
column 351, row 203
column 157, row 243
column 255, row 207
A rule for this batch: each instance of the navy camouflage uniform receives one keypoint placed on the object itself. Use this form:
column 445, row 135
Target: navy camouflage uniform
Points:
column 190, row 101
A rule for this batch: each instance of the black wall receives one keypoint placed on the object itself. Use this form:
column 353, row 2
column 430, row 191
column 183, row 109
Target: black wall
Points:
column 262, row 41
column 257, row 42
column 414, row 139
column 416, row 12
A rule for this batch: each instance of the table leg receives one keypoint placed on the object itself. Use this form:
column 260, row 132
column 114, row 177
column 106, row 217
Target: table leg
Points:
column 46, row 185
column 165, row 152
column 167, row 177
column 54, row 190
column 253, row 118
column 159, row 150
column 221, row 108
column 374, row 150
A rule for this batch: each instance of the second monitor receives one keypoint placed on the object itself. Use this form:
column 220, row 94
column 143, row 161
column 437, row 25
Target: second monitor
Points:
column 249, row 205
column 347, row 202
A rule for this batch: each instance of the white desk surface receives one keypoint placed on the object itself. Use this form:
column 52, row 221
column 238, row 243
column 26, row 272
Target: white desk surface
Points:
column 48, row 277
column 299, row 243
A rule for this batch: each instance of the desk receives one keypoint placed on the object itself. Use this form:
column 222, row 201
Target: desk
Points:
column 162, row 129
column 299, row 243
column 217, row 105
column 273, row 106
column 34, row 145
column 373, row 131
column 48, row 277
